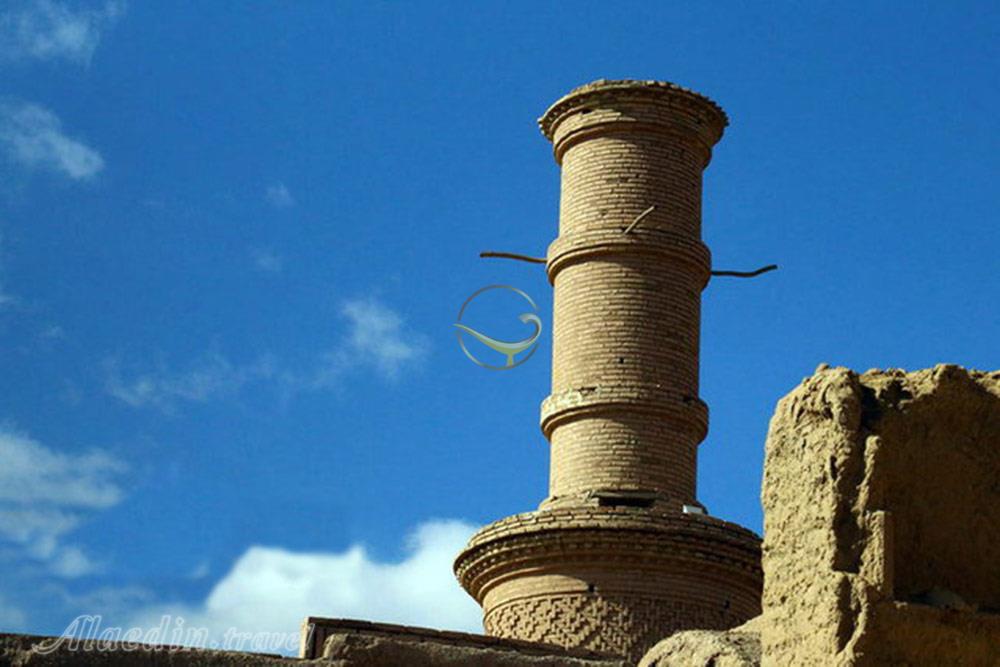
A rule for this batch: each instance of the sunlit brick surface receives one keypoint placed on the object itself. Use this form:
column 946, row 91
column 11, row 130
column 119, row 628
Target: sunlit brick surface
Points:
column 610, row 562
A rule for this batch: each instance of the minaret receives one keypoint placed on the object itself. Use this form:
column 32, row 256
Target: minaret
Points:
column 621, row 554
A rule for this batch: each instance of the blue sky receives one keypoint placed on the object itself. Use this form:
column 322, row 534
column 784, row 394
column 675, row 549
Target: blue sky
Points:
column 234, row 241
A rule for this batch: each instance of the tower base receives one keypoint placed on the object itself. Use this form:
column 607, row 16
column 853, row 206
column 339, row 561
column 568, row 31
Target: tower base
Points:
column 611, row 579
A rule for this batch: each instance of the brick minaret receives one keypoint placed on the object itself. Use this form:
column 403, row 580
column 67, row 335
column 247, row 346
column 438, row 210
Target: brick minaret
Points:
column 619, row 556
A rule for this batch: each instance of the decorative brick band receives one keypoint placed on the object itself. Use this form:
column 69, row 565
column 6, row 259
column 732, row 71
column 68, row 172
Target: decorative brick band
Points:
column 611, row 579
column 688, row 413
column 739, row 545
column 626, row 625
column 664, row 245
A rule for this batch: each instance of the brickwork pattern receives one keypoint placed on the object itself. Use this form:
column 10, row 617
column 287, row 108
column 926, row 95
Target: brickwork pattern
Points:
column 628, row 307
column 609, row 561
column 611, row 578
column 623, row 625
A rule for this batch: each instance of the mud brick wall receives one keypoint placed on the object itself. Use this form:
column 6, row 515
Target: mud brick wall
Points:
column 882, row 520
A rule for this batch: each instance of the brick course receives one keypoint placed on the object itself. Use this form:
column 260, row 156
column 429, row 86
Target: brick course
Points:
column 609, row 561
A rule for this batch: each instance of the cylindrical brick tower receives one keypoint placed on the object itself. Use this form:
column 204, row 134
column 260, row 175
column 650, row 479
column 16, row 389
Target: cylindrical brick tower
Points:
column 620, row 554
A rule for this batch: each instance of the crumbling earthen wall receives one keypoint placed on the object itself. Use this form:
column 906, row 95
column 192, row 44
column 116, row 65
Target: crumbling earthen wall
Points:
column 326, row 643
column 882, row 527
column 35, row 651
column 736, row 647
column 350, row 643
column 882, row 520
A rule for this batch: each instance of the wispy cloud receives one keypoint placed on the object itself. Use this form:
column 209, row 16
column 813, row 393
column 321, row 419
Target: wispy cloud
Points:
column 270, row 590
column 375, row 338
column 32, row 137
column 212, row 377
column 45, row 494
column 6, row 299
column 267, row 260
column 278, row 196
column 49, row 30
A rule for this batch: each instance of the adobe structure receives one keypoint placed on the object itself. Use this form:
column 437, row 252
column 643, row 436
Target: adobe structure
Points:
column 881, row 490
column 621, row 553
column 881, row 500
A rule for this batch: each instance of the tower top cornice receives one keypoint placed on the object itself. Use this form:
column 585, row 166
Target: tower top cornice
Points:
column 603, row 90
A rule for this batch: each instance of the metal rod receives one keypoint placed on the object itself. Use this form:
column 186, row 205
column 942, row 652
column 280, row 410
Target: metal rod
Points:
column 639, row 219
column 513, row 255
column 746, row 274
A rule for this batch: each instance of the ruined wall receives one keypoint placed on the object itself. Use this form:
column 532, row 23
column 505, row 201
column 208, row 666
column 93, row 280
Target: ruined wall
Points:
column 348, row 643
column 737, row 647
column 325, row 642
column 19, row 650
column 882, row 520
column 882, row 527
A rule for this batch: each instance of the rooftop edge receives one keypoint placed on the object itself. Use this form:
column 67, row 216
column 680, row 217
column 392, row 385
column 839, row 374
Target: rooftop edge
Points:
column 549, row 119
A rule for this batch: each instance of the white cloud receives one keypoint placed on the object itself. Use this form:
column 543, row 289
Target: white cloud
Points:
column 45, row 494
column 267, row 261
column 32, row 137
column 212, row 377
column 375, row 338
column 48, row 30
column 278, row 196
column 70, row 561
column 270, row 590
column 32, row 473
